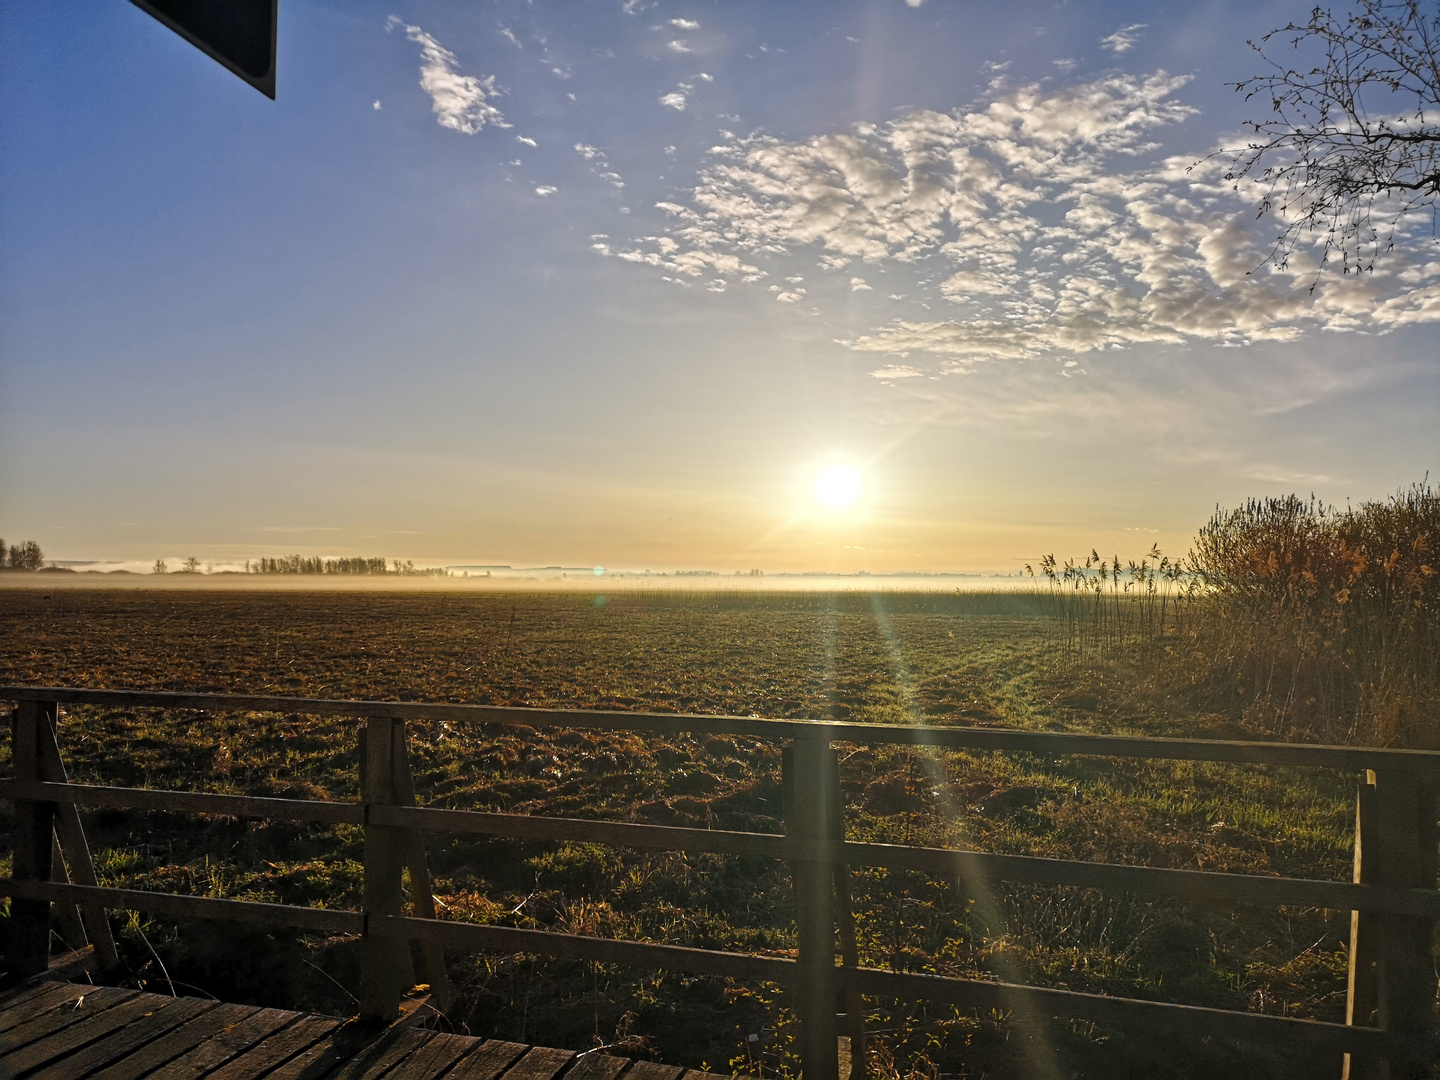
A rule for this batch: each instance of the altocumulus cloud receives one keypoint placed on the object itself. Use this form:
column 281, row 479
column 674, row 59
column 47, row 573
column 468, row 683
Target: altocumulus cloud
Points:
column 1031, row 218
column 460, row 102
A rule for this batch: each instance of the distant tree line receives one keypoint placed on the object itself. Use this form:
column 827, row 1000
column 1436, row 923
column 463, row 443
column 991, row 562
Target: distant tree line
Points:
column 314, row 564
column 26, row 556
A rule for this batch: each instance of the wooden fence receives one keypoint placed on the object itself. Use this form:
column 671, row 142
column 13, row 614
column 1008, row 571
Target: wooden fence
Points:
column 1391, row 1028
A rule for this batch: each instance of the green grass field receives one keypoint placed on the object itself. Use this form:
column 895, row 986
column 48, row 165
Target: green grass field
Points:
column 974, row 659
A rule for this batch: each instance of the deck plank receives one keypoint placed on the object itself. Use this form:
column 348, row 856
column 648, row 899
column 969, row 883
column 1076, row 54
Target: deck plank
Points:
column 166, row 1015
column 46, row 1023
column 434, row 1058
column 227, row 1044
column 56, row 1031
column 388, row 1052
column 539, row 1063
column 189, row 1035
column 487, row 1062
column 30, row 1003
column 596, row 1066
column 653, row 1070
column 76, row 1036
column 277, row 1049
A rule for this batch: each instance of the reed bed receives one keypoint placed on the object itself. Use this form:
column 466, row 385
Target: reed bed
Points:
column 1291, row 617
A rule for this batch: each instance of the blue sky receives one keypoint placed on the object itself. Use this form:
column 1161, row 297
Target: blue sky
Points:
column 609, row 283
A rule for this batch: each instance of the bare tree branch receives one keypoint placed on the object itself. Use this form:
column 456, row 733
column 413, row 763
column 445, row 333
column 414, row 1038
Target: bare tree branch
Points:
column 1351, row 145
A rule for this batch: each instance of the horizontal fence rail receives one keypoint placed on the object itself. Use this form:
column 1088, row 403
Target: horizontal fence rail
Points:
column 1398, row 895
column 1348, row 758
column 981, row 994
column 1199, row 885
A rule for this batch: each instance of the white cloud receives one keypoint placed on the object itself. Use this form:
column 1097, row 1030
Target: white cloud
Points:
column 857, row 284
column 1038, row 221
column 546, row 189
column 526, row 140
column 375, row 105
column 679, row 45
column 685, row 24
column 599, row 164
column 460, row 102
column 896, row 371
column 674, row 100
column 1124, row 39
column 509, row 35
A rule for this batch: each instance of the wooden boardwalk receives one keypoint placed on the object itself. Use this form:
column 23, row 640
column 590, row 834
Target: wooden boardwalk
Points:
column 59, row 1031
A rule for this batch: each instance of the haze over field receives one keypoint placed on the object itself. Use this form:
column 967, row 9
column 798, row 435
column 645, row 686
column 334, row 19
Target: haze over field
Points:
column 887, row 286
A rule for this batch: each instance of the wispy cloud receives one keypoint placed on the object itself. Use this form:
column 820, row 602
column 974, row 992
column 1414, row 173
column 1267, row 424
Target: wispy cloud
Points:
column 600, row 165
column 1124, row 39
column 676, row 100
column 896, row 371
column 460, row 102
column 1025, row 220
column 527, row 141
column 685, row 24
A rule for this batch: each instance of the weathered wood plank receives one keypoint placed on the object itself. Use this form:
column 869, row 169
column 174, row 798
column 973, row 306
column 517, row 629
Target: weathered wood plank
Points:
column 27, row 949
column 1391, row 970
column 35, row 1000
column 653, row 1070
column 1194, row 885
column 52, row 1020
column 507, row 939
column 279, row 1048
column 77, row 1036
column 487, row 1061
column 70, row 836
column 700, row 1074
column 348, row 1043
column 199, row 907
column 539, row 1063
column 392, row 1051
column 103, row 796
column 1281, row 1032
column 809, row 796
column 433, row 1059
column 65, row 917
column 593, row 1065
column 422, row 897
column 384, row 962
column 227, row 1044
column 166, row 1015
column 188, row 1036
column 1349, row 758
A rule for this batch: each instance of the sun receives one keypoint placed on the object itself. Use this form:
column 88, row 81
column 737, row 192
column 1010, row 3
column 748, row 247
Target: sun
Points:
column 837, row 486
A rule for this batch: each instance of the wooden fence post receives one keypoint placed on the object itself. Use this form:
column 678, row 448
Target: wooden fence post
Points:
column 383, row 960
column 849, row 945
column 1392, row 975
column 30, row 842
column 809, row 774
column 422, row 898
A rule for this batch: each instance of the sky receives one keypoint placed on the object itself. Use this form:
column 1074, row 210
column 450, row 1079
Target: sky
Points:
column 612, row 283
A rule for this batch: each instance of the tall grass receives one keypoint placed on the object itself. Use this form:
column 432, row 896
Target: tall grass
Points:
column 1105, row 606
column 1296, row 618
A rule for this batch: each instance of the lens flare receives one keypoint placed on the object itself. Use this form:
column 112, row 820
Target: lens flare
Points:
column 837, row 486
